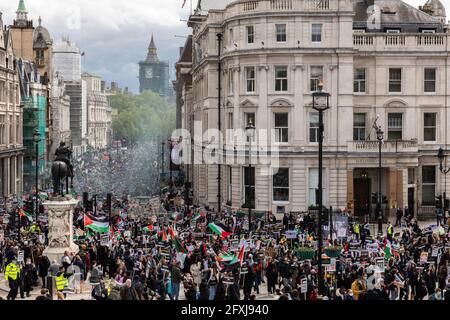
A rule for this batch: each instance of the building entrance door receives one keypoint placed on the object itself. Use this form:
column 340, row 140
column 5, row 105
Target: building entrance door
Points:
column 362, row 191
column 411, row 201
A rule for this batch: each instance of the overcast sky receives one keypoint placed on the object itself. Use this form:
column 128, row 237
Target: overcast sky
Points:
column 114, row 34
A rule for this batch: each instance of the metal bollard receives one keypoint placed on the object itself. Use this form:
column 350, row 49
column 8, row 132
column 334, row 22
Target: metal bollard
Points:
column 50, row 286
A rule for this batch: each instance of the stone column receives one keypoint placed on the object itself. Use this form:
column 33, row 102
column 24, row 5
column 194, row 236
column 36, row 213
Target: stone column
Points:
column 60, row 232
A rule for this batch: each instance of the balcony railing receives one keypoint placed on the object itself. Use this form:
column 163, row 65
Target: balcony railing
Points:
column 390, row 42
column 250, row 5
column 317, row 4
column 281, row 4
column 256, row 6
column 393, row 146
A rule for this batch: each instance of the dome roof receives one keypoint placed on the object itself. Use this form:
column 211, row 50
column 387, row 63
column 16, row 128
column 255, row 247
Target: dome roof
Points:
column 41, row 36
column 437, row 7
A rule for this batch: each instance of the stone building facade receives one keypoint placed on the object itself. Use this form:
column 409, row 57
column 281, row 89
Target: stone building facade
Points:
column 390, row 68
column 11, row 119
column 98, row 112
column 67, row 63
column 60, row 114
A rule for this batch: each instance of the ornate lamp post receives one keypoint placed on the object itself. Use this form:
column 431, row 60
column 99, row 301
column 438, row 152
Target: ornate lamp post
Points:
column 36, row 140
column 443, row 161
column 321, row 103
column 380, row 138
column 250, row 131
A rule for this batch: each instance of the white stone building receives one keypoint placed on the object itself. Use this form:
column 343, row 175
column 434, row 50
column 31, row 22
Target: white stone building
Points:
column 98, row 112
column 67, row 62
column 394, row 64
column 60, row 114
column 11, row 120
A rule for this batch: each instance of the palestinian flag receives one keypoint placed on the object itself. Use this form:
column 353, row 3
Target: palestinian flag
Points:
column 227, row 259
column 171, row 233
column 179, row 246
column 164, row 235
column 241, row 255
column 219, row 231
column 96, row 224
column 148, row 228
column 23, row 213
column 199, row 214
column 388, row 252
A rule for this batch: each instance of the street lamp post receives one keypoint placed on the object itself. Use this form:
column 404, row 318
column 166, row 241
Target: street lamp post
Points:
column 443, row 157
column 380, row 138
column 250, row 130
column 321, row 103
column 36, row 139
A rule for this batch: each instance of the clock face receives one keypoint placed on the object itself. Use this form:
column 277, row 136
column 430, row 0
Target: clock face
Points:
column 149, row 73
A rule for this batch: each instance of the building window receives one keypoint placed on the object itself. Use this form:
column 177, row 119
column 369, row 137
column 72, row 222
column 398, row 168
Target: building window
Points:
column 359, row 83
column 316, row 77
column 231, row 81
column 40, row 54
column 313, row 186
column 428, row 185
column 250, row 75
column 2, row 129
column 11, row 130
column 411, row 175
column 429, row 80
column 281, row 32
column 281, row 79
column 230, row 184
column 281, row 185
column 230, row 121
column 395, row 126
column 429, row 127
column 314, row 127
column 249, row 187
column 395, row 80
column 281, row 127
column 250, row 34
column 2, row 91
column 231, row 37
column 316, row 34
column 18, row 127
column 359, row 126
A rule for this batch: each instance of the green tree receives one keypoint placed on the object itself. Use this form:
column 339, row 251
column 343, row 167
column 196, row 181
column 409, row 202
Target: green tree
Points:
column 142, row 117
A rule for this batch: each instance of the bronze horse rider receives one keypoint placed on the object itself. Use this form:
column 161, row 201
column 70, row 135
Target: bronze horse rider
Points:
column 62, row 169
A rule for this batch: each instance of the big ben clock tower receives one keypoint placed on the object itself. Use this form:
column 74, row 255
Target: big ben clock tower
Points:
column 153, row 73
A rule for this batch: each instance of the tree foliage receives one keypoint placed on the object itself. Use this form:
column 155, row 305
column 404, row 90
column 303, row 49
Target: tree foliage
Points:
column 142, row 117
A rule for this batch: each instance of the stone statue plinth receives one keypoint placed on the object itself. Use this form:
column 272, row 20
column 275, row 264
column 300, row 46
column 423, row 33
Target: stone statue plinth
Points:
column 60, row 231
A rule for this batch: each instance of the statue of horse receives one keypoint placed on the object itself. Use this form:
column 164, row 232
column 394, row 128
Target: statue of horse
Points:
column 60, row 176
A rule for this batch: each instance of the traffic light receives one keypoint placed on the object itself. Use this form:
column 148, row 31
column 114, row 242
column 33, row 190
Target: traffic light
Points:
column 447, row 204
column 85, row 199
column 374, row 198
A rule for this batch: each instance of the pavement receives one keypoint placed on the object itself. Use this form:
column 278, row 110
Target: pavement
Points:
column 86, row 294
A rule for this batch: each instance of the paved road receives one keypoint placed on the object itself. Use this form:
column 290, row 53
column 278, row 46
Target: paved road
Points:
column 86, row 295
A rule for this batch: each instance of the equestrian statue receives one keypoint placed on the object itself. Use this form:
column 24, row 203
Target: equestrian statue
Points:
column 62, row 170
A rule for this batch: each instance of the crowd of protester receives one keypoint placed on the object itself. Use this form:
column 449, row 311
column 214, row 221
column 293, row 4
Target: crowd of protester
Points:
column 178, row 255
